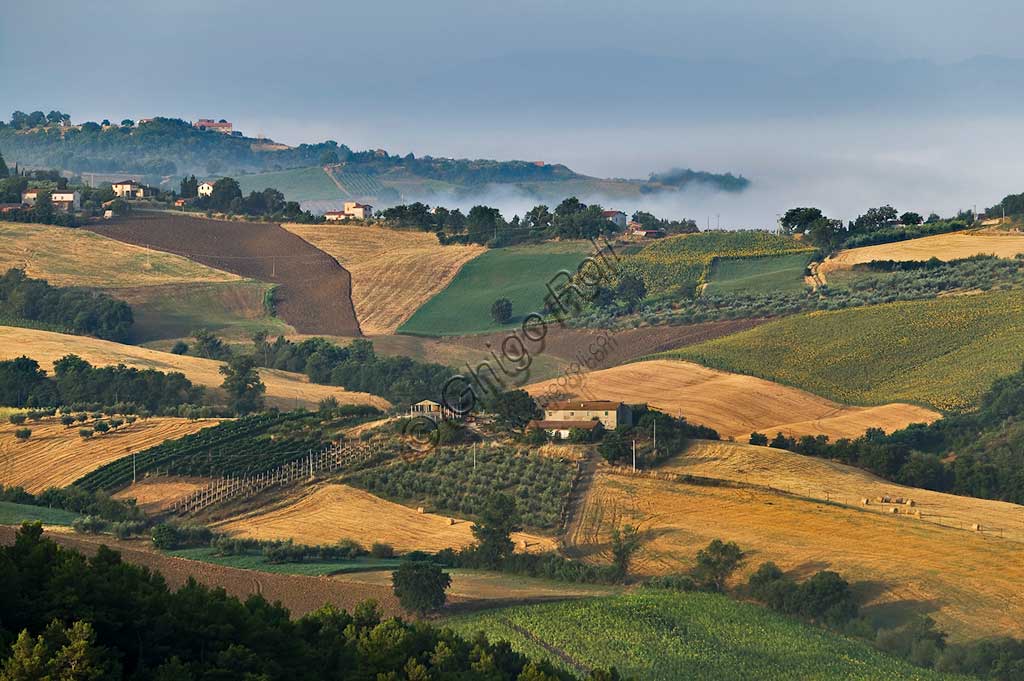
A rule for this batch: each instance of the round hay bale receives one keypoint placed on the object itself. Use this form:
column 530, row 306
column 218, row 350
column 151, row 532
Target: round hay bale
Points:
column 419, row 509
column 865, row 501
column 894, row 510
column 976, row 527
column 451, row 521
column 910, row 502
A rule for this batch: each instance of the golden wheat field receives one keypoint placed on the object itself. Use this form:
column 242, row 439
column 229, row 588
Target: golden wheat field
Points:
column 56, row 456
column 950, row 246
column 393, row 271
column 733, row 404
column 969, row 582
column 155, row 495
column 285, row 390
column 826, row 480
column 328, row 513
column 78, row 257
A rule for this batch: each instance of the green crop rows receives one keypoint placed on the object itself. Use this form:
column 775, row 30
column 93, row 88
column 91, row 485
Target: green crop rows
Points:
column 249, row 445
column 449, row 481
column 665, row 636
column 358, row 184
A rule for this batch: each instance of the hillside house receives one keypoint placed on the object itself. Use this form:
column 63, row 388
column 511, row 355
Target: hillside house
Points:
column 130, row 189
column 66, row 200
column 616, row 216
column 353, row 210
column 29, row 196
column 644, row 233
column 205, row 189
column 432, row 410
column 561, row 417
column 221, row 126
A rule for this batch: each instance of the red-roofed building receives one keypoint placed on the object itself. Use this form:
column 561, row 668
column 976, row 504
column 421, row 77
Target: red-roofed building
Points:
column 610, row 414
column 616, row 216
column 210, row 124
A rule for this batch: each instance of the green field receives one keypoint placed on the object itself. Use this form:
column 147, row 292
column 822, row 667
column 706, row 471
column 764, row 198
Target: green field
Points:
column 658, row 635
column 519, row 273
column 758, row 275
column 682, row 263
column 258, row 562
column 298, row 184
column 943, row 353
column 15, row 514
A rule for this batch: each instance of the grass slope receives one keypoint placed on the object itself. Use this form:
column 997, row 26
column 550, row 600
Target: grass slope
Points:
column 259, row 562
column 298, row 184
column 658, row 635
column 944, row 352
column 519, row 273
column 758, row 275
column 15, row 514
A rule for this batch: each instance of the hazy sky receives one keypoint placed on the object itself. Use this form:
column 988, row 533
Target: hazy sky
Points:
column 831, row 103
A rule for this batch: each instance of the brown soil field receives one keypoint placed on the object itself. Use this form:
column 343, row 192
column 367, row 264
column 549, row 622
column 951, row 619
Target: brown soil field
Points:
column 56, row 456
column 284, row 389
column 300, row 594
column 969, row 582
column 733, row 404
column 84, row 258
column 314, row 292
column 327, row 513
column 826, row 480
column 601, row 349
column 155, row 495
column 950, row 246
column 394, row 272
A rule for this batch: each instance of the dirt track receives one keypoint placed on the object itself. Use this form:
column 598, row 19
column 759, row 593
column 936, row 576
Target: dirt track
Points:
column 314, row 293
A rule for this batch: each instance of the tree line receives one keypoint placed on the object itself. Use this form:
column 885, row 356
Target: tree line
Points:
column 883, row 224
column 73, row 309
column 63, row 615
column 227, row 197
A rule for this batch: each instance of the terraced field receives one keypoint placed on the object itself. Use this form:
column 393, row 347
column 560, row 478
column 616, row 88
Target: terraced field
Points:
column 733, row 404
column 328, row 513
column 943, row 353
column 284, row 389
column 393, row 272
column 55, row 456
column 967, row 581
column 297, row 184
column 666, row 636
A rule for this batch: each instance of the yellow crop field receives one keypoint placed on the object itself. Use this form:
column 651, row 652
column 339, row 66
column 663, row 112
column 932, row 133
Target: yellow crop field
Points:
column 952, row 246
column 733, row 404
column 969, row 582
column 78, row 257
column 284, row 389
column 394, row 272
column 56, row 456
column 328, row 513
column 154, row 495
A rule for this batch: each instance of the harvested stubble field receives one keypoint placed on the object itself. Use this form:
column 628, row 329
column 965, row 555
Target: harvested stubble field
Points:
column 330, row 512
column 969, row 582
column 944, row 352
column 733, row 404
column 156, row 494
column 300, row 594
column 394, row 272
column 826, row 480
column 952, row 246
column 284, row 389
column 314, row 292
column 78, row 257
column 56, row 456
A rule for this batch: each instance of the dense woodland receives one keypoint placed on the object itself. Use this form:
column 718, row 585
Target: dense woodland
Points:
column 125, row 623
column 74, row 310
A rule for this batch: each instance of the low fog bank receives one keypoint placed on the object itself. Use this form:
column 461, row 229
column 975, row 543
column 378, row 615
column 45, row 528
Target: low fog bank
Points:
column 844, row 166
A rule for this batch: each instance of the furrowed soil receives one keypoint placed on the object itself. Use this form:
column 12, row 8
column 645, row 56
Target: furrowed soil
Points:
column 733, row 404
column 300, row 594
column 394, row 272
column 969, row 582
column 285, row 390
column 56, row 456
column 314, row 291
column 327, row 513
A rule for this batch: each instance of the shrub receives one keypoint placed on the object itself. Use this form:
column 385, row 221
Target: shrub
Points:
column 101, row 427
column 90, row 524
column 66, row 420
column 85, row 433
column 23, row 433
column 17, row 419
column 381, row 550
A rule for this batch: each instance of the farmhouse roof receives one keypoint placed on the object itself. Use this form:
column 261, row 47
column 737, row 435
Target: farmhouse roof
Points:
column 563, row 425
column 611, row 213
column 132, row 182
column 428, row 403
column 584, row 405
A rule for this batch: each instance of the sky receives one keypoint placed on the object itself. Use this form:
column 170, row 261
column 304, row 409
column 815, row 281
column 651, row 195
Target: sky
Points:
column 846, row 105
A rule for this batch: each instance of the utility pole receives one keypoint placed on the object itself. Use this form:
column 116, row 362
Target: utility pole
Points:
column 655, row 438
column 133, row 468
column 634, row 456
